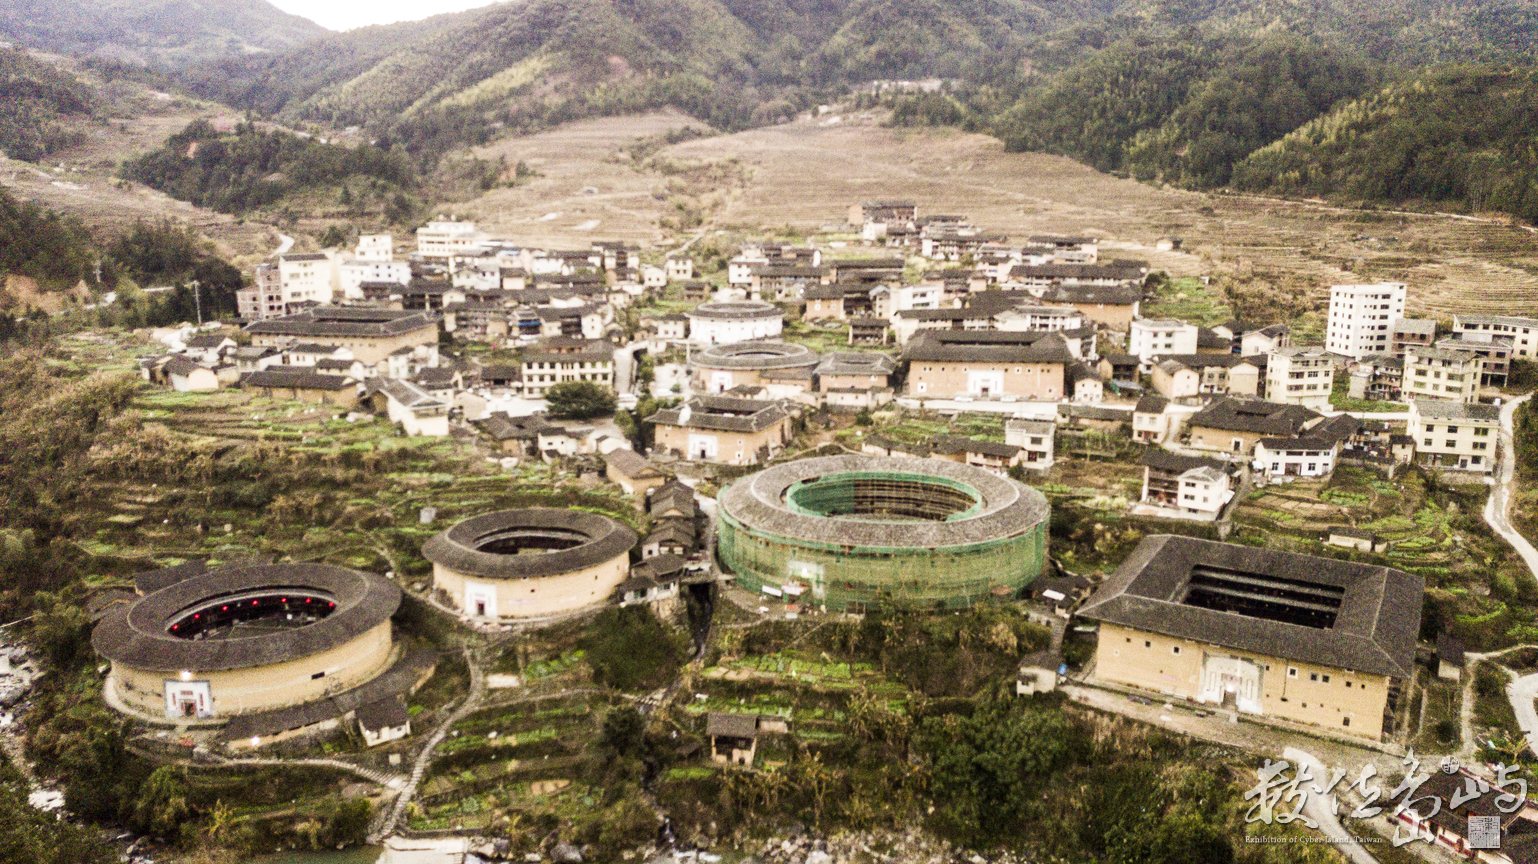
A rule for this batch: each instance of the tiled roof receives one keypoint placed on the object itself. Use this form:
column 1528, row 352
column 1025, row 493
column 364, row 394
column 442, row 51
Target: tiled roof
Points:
column 1373, row 631
column 292, row 379
column 333, row 321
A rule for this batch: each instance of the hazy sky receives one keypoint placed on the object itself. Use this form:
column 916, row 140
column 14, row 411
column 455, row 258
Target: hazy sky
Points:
column 347, row 14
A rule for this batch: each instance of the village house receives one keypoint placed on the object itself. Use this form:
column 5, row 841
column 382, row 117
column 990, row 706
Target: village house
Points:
column 673, row 327
column 417, row 411
column 654, row 581
column 1194, row 487
column 1441, row 373
column 990, row 456
column 1119, row 367
column 442, row 238
column 1265, row 340
column 1455, row 436
column 1113, row 307
column 733, row 738
column 383, row 721
column 679, row 267
column 632, row 473
column 1451, row 654
column 672, row 538
column 944, row 364
column 1221, row 624
column 886, row 211
column 515, row 436
column 1152, row 421
column 1035, row 440
column 869, row 331
column 724, row 430
column 303, row 386
column 1150, row 338
column 1411, row 333
column 1378, row 377
column 309, row 277
column 1300, row 375
column 1314, row 451
column 1235, row 426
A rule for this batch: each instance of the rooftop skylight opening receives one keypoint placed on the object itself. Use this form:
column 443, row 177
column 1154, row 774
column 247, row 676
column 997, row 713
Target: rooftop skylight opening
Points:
column 1265, row 596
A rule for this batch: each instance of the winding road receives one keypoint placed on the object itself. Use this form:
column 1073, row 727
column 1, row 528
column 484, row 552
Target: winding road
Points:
column 1499, row 503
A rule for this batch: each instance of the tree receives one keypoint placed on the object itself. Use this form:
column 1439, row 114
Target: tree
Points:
column 580, row 400
column 162, row 804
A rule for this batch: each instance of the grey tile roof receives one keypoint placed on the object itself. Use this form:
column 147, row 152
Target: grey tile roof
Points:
column 459, row 548
column 396, row 682
column 292, row 379
column 988, row 347
column 1446, row 409
column 1374, row 630
column 1164, row 460
column 335, row 321
column 723, row 413
column 383, row 713
column 735, row 310
column 151, row 581
column 1107, row 295
column 1252, row 415
column 1151, row 403
column 631, row 464
column 856, row 363
column 755, row 355
column 731, row 725
column 140, row 636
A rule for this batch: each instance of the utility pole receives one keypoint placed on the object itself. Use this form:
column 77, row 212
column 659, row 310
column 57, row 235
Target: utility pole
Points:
column 197, row 299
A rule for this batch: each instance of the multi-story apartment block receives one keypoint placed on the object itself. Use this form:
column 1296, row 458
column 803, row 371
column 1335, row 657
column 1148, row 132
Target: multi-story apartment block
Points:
column 1148, row 338
column 307, row 278
column 1455, row 435
column 352, row 274
column 1441, row 373
column 264, row 298
column 375, row 247
column 1362, row 317
column 545, row 369
column 443, row 238
column 1494, row 351
column 1301, row 375
column 1522, row 331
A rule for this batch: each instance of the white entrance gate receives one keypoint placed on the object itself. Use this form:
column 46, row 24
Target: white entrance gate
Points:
column 1236, row 678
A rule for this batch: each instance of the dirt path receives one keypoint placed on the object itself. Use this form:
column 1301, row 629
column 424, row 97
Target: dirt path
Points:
column 425, row 758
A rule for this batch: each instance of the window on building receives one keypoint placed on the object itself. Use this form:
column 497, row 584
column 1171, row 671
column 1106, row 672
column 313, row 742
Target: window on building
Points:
column 1292, row 671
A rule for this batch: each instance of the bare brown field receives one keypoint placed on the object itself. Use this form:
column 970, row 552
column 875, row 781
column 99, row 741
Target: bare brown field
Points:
column 583, row 181
column 803, row 176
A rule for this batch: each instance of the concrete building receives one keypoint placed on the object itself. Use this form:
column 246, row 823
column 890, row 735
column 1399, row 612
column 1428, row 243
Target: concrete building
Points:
column 1522, row 331
column 679, row 268
column 1303, row 456
column 264, row 298
column 1455, row 436
column 441, row 239
column 724, row 430
column 352, row 275
column 1264, row 340
column 1495, row 353
column 731, row 322
column 545, row 369
column 529, row 563
column 1441, row 373
column 1300, row 375
column 1194, row 487
column 1036, row 440
column 375, row 247
column 307, row 278
column 1412, row 333
column 1361, row 318
column 1305, row 639
column 1148, row 338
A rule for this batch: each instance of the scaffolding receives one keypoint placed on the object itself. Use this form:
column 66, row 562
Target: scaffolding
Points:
column 856, row 577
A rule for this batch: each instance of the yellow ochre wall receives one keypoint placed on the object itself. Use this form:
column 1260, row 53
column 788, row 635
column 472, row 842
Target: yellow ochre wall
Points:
column 263, row 688
column 538, row 596
column 1148, row 661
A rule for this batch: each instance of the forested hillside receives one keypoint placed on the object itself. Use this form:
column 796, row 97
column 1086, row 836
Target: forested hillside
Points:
column 36, row 101
column 156, row 32
column 1463, row 135
column 251, row 169
column 56, row 251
